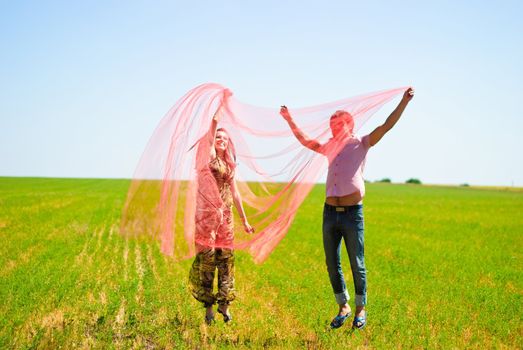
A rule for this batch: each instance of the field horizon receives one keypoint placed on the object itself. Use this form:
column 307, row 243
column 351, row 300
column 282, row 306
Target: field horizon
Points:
column 489, row 187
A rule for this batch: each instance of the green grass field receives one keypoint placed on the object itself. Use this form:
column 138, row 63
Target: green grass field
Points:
column 445, row 271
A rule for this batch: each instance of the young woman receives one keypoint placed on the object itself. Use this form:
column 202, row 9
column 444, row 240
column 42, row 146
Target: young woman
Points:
column 214, row 225
column 343, row 209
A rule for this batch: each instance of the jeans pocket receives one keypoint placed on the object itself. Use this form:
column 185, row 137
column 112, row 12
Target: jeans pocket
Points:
column 357, row 215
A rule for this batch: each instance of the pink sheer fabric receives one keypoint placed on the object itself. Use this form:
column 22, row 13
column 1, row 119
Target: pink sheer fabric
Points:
column 274, row 172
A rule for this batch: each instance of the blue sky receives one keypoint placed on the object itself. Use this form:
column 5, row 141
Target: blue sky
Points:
column 84, row 84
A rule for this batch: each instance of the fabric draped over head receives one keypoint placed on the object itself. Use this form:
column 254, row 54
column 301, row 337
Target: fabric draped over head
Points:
column 274, row 173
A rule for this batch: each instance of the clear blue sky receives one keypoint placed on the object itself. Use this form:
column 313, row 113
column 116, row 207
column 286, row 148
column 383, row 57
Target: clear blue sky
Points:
column 84, row 84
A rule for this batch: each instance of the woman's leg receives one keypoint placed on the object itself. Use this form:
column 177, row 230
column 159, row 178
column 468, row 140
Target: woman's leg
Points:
column 201, row 277
column 225, row 265
column 207, row 270
column 196, row 286
column 194, row 278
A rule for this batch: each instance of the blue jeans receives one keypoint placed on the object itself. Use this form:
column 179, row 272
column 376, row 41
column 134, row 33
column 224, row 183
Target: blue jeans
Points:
column 346, row 223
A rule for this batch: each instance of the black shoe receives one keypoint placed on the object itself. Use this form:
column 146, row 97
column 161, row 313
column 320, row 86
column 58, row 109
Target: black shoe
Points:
column 360, row 322
column 209, row 319
column 227, row 317
column 339, row 320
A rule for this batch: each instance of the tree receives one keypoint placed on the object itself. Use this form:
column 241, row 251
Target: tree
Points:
column 413, row 181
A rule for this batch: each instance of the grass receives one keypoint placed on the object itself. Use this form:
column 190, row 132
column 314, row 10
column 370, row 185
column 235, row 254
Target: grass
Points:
column 444, row 271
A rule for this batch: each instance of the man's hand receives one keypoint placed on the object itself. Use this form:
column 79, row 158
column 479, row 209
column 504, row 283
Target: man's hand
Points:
column 408, row 95
column 284, row 112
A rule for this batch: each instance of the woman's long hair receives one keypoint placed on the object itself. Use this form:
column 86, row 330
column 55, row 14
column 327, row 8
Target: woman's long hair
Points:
column 230, row 153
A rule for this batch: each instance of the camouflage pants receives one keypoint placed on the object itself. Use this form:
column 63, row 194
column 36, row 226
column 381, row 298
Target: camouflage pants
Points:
column 201, row 276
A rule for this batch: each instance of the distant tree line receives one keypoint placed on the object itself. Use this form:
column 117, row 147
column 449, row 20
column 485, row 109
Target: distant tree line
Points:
column 412, row 180
column 409, row 181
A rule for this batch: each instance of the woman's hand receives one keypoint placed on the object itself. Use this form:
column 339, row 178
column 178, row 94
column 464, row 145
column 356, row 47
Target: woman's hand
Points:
column 284, row 112
column 219, row 112
column 408, row 95
column 248, row 228
column 218, row 115
column 226, row 94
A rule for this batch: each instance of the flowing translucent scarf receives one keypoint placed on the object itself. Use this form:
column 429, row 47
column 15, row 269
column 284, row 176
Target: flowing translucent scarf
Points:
column 274, row 173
